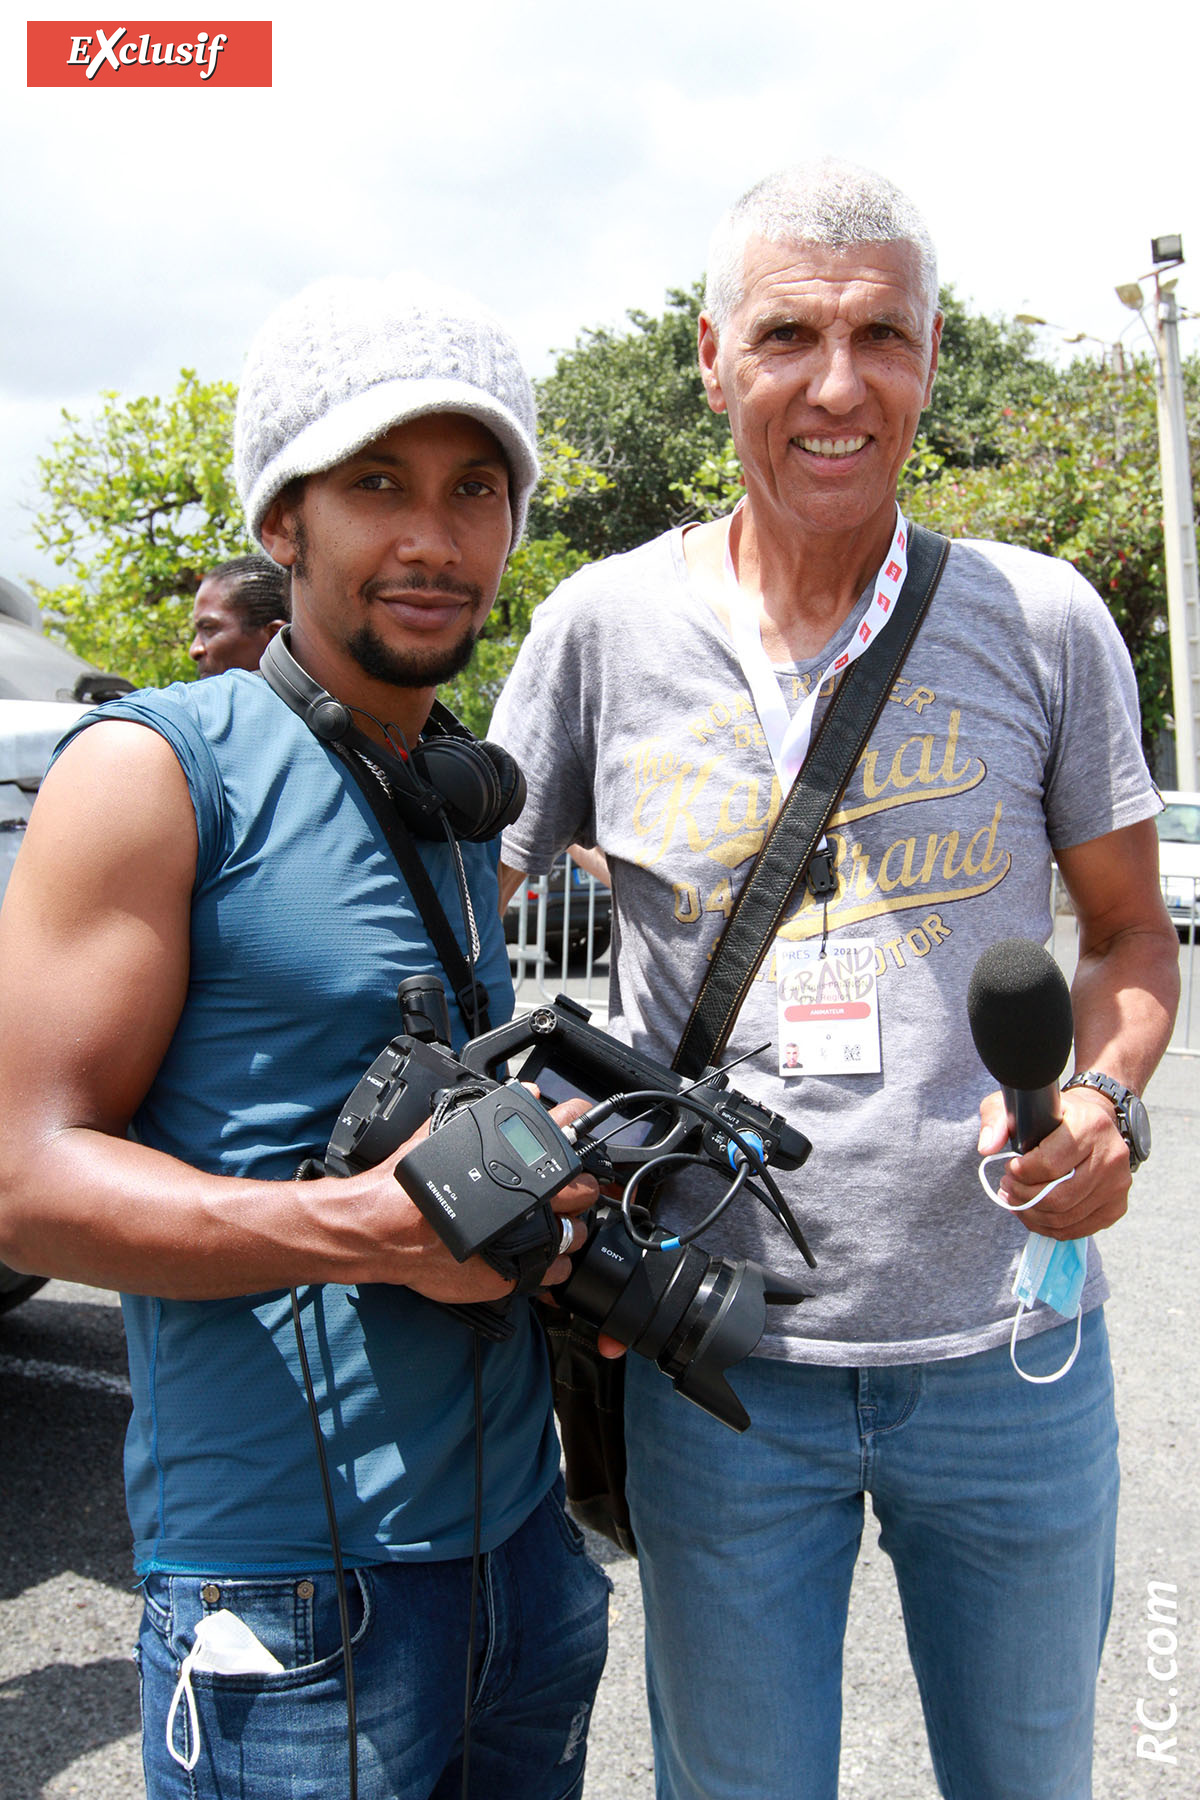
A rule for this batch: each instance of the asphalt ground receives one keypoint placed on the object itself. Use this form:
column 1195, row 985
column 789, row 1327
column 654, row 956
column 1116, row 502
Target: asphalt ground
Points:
column 68, row 1694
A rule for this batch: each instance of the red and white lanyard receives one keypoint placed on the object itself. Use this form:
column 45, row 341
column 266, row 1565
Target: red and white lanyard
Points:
column 788, row 736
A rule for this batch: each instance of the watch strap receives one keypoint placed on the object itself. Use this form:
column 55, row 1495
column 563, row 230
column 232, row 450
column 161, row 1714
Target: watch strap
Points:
column 1122, row 1097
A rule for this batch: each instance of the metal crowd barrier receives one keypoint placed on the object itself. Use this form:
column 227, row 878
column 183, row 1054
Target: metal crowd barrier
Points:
column 537, row 972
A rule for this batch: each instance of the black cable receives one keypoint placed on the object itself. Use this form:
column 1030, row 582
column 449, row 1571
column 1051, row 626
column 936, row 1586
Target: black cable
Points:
column 468, row 1704
column 680, row 1238
column 778, row 1207
column 336, row 1546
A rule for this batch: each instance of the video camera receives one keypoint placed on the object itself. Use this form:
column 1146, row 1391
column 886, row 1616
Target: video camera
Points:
column 486, row 1174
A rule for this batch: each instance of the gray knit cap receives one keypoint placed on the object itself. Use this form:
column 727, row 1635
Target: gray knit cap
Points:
column 350, row 357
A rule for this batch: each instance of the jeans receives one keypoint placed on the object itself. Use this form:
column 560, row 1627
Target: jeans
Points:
column 541, row 1638
column 997, row 1505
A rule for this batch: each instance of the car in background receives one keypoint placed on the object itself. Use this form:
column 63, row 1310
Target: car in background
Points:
column 1179, row 860
column 35, row 667
column 575, row 904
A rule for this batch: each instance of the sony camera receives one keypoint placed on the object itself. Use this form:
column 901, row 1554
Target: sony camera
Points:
column 487, row 1173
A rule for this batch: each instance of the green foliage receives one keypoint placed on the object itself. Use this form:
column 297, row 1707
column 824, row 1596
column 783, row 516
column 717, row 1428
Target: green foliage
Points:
column 1079, row 478
column 138, row 504
column 534, row 569
column 986, row 367
column 1065, row 462
column 716, row 486
column 633, row 404
column 140, row 501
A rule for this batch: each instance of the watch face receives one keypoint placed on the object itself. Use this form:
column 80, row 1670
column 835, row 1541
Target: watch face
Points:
column 1139, row 1127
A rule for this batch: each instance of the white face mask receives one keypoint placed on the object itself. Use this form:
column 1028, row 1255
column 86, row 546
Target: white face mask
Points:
column 224, row 1645
column 1052, row 1270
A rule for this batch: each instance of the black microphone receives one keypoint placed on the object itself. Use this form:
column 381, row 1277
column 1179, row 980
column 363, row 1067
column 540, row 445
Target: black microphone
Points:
column 1019, row 1007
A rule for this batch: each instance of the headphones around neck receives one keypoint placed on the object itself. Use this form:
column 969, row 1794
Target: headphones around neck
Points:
column 448, row 778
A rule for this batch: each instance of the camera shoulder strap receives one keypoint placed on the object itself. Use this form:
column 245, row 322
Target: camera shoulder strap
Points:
column 800, row 824
column 471, row 995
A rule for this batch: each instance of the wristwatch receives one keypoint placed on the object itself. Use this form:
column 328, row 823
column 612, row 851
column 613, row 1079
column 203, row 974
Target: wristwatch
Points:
column 1133, row 1121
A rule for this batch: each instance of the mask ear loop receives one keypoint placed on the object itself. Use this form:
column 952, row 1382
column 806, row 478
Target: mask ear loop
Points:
column 989, row 1190
column 1042, row 1380
column 1022, row 1309
column 183, row 1690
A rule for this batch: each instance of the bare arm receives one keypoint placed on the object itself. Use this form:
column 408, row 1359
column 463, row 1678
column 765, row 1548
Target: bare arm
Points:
column 1124, row 996
column 510, row 881
column 94, row 953
column 593, row 862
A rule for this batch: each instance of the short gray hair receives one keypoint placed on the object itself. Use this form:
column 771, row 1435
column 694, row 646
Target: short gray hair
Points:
column 828, row 202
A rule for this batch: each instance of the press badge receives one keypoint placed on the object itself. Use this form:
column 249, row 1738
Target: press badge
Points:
column 828, row 1008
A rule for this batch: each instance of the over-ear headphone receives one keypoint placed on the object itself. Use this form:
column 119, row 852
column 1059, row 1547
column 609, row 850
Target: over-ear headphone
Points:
column 449, row 777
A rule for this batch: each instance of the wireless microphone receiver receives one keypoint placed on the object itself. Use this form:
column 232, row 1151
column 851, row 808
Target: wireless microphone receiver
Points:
column 1019, row 1008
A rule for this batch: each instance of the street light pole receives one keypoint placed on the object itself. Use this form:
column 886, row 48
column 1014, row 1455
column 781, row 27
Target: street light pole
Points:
column 1179, row 520
column 1179, row 539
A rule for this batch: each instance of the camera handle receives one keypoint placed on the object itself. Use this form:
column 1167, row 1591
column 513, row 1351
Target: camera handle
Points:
column 583, row 1060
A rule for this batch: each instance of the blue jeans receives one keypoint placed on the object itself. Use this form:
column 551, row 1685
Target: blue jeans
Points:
column 540, row 1648
column 997, row 1505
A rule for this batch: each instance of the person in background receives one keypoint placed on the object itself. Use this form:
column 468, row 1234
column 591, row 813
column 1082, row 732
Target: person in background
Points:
column 239, row 607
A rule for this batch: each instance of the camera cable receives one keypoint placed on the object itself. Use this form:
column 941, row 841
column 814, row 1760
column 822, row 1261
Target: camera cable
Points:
column 747, row 1150
column 339, row 1568
column 335, row 1544
column 684, row 1237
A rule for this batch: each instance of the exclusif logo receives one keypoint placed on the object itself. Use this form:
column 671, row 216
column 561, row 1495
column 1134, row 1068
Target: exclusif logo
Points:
column 148, row 53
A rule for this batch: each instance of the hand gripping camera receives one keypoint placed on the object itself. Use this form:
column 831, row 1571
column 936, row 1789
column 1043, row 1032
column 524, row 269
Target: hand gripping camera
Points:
column 494, row 1159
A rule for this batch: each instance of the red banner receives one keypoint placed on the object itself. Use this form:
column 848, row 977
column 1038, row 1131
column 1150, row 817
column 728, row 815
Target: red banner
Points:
column 175, row 53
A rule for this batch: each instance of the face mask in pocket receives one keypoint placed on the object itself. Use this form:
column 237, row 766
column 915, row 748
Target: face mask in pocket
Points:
column 223, row 1645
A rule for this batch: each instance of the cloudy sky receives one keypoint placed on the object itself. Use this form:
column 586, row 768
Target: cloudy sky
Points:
column 565, row 161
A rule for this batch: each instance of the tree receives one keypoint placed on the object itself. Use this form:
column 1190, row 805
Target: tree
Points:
column 139, row 504
column 1062, row 461
column 1078, row 477
column 986, row 370
column 633, row 404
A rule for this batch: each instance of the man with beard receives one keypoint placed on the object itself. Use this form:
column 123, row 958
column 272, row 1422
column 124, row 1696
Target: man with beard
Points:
column 200, row 952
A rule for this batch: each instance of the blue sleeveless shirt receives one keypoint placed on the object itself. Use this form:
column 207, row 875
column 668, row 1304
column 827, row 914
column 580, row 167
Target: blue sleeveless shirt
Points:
column 301, row 929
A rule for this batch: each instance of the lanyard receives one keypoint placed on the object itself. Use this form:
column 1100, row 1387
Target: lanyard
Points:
column 788, row 737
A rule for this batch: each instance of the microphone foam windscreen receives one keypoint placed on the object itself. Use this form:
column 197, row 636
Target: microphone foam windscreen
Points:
column 1019, row 1008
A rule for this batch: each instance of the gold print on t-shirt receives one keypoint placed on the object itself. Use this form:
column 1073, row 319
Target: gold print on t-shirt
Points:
column 708, row 804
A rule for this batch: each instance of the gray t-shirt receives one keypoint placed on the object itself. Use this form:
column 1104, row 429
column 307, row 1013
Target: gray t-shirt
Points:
column 1012, row 733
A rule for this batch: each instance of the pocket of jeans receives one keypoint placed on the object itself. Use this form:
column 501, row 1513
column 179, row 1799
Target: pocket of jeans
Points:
column 568, row 1530
column 572, row 1537
column 296, row 1619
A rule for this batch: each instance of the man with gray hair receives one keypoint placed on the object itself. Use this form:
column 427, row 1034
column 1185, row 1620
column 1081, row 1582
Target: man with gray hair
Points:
column 661, row 707
column 246, row 869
